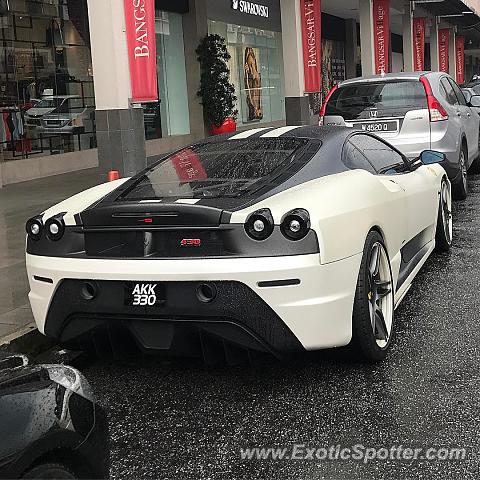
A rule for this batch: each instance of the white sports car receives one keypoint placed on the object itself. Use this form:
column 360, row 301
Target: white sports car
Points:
column 280, row 240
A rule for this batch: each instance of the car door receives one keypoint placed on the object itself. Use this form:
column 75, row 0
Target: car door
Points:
column 451, row 104
column 470, row 122
column 419, row 190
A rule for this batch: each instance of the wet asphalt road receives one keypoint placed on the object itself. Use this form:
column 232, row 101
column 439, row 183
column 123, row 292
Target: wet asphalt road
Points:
column 182, row 420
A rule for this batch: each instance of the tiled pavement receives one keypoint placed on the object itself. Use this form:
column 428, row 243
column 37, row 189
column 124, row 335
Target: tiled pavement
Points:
column 18, row 203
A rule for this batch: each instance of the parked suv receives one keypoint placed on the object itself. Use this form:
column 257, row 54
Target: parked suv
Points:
column 414, row 112
column 48, row 104
column 71, row 117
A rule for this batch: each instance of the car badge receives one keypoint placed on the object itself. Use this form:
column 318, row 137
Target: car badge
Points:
column 373, row 113
column 190, row 242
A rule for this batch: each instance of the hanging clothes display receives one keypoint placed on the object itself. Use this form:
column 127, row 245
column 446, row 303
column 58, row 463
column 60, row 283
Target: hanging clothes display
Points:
column 3, row 132
column 12, row 130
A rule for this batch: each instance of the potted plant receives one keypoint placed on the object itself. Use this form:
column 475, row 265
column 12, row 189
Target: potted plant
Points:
column 217, row 93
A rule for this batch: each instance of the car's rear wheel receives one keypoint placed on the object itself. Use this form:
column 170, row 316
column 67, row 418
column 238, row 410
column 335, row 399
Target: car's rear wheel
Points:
column 373, row 307
column 460, row 187
column 49, row 471
column 444, row 233
column 475, row 166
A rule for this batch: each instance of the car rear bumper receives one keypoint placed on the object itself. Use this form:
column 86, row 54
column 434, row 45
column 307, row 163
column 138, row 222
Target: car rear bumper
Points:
column 302, row 305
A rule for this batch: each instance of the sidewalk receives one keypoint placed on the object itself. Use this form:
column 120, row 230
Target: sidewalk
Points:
column 19, row 202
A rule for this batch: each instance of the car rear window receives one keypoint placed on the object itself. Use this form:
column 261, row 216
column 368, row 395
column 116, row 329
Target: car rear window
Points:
column 217, row 169
column 388, row 98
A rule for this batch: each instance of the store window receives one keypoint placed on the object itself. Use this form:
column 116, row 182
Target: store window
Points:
column 47, row 97
column 170, row 115
column 256, row 70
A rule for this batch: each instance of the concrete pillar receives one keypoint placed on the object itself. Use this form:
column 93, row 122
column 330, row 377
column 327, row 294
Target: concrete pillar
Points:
column 351, row 48
column 452, row 64
column 408, row 39
column 195, row 27
column 366, row 36
column 434, row 46
column 120, row 129
column 296, row 102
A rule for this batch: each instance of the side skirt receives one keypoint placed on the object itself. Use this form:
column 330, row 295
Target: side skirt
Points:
column 414, row 266
column 412, row 252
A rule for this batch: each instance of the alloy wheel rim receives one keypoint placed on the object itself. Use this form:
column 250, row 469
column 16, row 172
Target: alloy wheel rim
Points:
column 380, row 295
column 463, row 168
column 447, row 212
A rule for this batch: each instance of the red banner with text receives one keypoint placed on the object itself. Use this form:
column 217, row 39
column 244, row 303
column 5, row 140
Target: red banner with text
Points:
column 381, row 34
column 443, row 38
column 142, row 51
column 419, row 44
column 188, row 166
column 311, row 20
column 460, row 59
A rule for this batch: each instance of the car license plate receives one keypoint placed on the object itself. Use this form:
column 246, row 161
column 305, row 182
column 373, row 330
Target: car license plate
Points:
column 144, row 294
column 387, row 126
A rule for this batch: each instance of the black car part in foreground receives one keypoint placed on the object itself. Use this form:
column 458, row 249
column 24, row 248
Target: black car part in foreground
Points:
column 50, row 424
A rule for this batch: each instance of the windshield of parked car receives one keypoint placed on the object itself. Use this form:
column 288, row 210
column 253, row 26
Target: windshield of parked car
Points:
column 49, row 103
column 217, row 169
column 71, row 105
column 390, row 98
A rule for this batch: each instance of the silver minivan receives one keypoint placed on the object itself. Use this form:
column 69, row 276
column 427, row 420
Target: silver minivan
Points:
column 414, row 112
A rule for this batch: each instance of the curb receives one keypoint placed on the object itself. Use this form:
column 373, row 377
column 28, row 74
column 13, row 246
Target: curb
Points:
column 27, row 340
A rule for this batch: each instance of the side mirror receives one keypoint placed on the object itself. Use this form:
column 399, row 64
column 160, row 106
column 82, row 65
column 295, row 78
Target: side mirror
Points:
column 428, row 157
column 333, row 120
column 474, row 101
column 467, row 95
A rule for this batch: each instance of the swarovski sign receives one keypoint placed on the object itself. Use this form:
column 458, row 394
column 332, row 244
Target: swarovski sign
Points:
column 250, row 8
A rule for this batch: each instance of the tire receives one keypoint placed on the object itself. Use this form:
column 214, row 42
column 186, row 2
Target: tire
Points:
column 475, row 166
column 372, row 320
column 47, row 471
column 444, row 232
column 460, row 187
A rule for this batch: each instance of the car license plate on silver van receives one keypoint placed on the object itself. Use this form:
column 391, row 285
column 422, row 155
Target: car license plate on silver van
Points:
column 373, row 127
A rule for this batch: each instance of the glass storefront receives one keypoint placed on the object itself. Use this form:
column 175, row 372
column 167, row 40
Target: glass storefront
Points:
column 46, row 85
column 169, row 116
column 256, row 70
column 47, row 97
column 333, row 64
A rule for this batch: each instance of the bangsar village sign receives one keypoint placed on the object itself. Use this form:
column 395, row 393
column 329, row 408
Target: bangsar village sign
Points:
column 141, row 43
column 311, row 20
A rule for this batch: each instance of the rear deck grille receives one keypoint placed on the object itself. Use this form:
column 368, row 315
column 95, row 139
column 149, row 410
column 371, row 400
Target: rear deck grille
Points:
column 157, row 243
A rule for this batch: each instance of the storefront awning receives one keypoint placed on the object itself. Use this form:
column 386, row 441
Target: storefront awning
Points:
column 457, row 13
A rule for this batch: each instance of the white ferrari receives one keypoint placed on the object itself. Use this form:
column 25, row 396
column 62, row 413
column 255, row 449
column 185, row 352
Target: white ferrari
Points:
column 273, row 239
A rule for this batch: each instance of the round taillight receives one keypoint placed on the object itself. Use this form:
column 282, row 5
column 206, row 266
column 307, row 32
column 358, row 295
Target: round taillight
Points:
column 55, row 228
column 34, row 228
column 295, row 224
column 259, row 224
